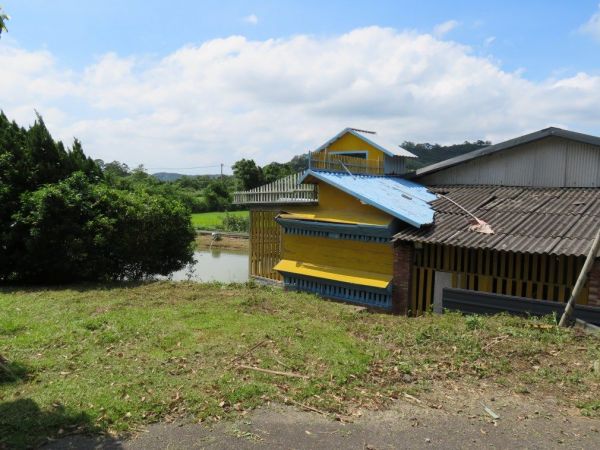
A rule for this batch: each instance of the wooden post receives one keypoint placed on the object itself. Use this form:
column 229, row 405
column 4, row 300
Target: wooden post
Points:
column 581, row 279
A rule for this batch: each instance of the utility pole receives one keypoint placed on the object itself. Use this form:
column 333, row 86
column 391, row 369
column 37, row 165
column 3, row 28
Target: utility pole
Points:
column 581, row 280
column 221, row 171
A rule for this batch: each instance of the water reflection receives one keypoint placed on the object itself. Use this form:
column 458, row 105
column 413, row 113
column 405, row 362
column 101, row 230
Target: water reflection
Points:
column 215, row 265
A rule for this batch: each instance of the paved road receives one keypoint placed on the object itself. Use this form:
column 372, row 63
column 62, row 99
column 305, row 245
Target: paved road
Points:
column 408, row 424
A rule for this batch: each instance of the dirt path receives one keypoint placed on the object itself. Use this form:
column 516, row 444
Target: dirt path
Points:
column 205, row 241
column 436, row 422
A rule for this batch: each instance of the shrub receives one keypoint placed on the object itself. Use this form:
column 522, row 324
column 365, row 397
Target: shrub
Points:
column 63, row 220
column 75, row 230
column 235, row 223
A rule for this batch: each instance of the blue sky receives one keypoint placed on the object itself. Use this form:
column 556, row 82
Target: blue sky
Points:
column 113, row 69
column 539, row 37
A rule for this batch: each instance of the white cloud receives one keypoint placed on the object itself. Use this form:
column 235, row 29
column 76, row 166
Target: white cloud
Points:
column 592, row 26
column 445, row 27
column 252, row 19
column 489, row 41
column 231, row 98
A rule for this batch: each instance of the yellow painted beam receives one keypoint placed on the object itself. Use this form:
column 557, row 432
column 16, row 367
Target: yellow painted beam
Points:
column 341, row 274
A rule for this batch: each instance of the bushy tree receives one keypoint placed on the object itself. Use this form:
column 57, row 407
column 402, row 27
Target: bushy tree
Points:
column 61, row 221
column 248, row 174
column 275, row 171
column 217, row 196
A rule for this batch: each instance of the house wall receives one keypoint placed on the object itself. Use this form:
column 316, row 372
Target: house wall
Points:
column 349, row 142
column 337, row 204
column 348, row 254
column 266, row 235
column 541, row 277
column 401, row 281
column 550, row 162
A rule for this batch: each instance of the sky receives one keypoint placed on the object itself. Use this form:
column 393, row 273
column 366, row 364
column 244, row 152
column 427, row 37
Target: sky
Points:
column 187, row 85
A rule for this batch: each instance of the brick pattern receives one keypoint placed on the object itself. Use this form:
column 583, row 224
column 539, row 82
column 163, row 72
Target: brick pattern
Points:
column 401, row 281
column 594, row 284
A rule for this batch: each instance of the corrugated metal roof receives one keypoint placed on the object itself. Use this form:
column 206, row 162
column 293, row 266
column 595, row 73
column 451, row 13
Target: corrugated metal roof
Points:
column 559, row 221
column 525, row 139
column 403, row 199
column 387, row 146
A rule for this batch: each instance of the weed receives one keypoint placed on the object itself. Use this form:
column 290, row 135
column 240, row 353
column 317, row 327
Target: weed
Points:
column 112, row 358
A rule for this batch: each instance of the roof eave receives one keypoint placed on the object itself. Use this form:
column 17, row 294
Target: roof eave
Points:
column 406, row 154
column 511, row 143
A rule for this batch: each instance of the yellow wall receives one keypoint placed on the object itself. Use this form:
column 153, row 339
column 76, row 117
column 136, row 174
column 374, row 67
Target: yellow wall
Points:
column 349, row 142
column 355, row 255
column 334, row 203
column 350, row 254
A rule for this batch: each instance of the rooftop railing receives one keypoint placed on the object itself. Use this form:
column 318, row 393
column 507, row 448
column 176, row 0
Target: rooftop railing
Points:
column 332, row 162
column 283, row 191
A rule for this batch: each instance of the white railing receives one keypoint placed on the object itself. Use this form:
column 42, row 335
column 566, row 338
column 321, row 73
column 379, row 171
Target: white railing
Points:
column 332, row 162
column 284, row 190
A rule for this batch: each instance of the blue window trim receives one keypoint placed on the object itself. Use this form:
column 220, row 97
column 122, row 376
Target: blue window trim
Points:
column 352, row 293
column 365, row 153
column 368, row 233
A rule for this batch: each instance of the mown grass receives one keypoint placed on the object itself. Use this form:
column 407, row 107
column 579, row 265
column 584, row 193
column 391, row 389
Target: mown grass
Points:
column 213, row 220
column 117, row 357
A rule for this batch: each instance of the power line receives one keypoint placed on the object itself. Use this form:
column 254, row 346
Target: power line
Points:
column 183, row 168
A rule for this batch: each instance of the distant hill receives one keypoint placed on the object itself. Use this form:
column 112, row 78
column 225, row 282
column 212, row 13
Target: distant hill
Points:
column 172, row 176
column 432, row 153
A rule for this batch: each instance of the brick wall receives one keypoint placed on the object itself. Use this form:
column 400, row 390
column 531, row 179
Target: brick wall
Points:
column 401, row 281
column 594, row 284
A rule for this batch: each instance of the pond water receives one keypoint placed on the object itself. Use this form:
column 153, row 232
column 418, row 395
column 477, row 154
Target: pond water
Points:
column 215, row 265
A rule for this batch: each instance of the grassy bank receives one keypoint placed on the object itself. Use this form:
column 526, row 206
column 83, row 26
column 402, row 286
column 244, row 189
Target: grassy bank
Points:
column 212, row 220
column 118, row 357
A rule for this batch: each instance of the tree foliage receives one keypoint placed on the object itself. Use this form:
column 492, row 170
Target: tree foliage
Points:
column 431, row 153
column 61, row 220
column 3, row 19
column 248, row 174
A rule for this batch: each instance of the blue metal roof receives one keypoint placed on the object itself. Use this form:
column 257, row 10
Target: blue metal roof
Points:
column 403, row 199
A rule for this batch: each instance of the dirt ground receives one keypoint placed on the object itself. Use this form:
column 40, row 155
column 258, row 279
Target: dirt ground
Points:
column 204, row 241
column 455, row 418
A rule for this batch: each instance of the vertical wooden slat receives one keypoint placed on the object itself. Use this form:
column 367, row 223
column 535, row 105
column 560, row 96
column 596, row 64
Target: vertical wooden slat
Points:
column 428, row 290
column 413, row 291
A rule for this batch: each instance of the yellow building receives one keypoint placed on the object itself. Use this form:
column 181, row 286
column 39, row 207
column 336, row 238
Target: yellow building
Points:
column 333, row 235
column 328, row 230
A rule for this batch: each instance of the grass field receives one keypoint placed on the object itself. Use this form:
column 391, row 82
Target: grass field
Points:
column 212, row 220
column 114, row 358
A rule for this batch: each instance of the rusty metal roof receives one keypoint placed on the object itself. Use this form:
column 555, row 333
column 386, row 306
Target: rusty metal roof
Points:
column 558, row 221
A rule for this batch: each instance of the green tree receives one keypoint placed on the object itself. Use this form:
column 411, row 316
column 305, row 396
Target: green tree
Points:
column 248, row 174
column 76, row 230
column 63, row 220
column 114, row 169
column 3, row 19
column 217, row 196
column 275, row 171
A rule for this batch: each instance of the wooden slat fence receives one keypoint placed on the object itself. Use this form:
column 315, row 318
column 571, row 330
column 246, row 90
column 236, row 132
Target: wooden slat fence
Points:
column 265, row 244
column 541, row 277
column 283, row 191
column 339, row 163
column 471, row 302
